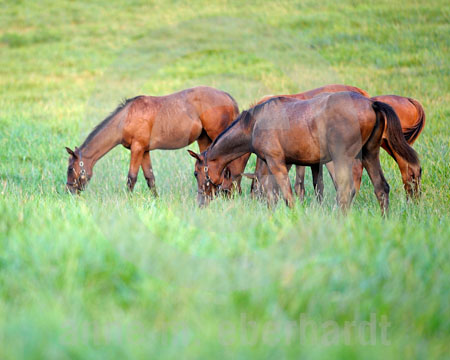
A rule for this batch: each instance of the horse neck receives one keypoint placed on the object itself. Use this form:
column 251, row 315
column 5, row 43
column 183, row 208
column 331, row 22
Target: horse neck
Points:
column 231, row 145
column 106, row 139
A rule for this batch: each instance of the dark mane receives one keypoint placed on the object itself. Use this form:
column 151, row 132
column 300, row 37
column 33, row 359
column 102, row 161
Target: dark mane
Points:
column 244, row 113
column 256, row 102
column 100, row 126
column 246, row 117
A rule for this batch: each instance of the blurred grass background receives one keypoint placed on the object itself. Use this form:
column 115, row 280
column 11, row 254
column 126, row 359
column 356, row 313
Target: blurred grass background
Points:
column 113, row 275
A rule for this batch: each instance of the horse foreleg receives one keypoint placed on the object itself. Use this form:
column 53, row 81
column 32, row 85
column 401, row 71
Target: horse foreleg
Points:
column 280, row 172
column 300, row 181
column 137, row 152
column 317, row 175
column 148, row 172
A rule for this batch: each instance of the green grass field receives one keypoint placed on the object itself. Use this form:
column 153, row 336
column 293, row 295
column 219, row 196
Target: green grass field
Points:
column 112, row 275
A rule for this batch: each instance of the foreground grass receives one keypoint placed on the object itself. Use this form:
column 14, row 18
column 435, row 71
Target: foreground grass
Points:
column 109, row 275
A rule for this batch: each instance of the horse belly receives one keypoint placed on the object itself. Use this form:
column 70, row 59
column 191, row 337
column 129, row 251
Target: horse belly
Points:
column 306, row 142
column 300, row 147
column 306, row 152
column 175, row 132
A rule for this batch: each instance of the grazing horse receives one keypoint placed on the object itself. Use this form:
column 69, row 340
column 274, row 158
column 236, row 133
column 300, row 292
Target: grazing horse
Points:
column 145, row 123
column 330, row 127
column 412, row 119
column 261, row 179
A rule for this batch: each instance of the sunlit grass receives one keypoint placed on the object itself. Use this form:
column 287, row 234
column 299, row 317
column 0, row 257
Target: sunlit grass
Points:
column 115, row 275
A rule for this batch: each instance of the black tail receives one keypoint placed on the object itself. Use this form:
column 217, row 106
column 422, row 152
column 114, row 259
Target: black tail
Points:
column 395, row 136
column 413, row 132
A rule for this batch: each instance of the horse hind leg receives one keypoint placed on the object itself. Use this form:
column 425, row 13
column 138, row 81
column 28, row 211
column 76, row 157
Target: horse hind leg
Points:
column 357, row 172
column 300, row 182
column 371, row 162
column 317, row 175
column 148, row 172
column 344, row 182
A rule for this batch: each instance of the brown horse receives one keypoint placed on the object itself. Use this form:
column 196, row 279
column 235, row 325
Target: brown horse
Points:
column 412, row 119
column 262, row 180
column 145, row 123
column 330, row 127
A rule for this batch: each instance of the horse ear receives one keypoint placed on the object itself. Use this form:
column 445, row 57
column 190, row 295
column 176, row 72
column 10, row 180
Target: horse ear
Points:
column 227, row 174
column 194, row 155
column 250, row 175
column 70, row 152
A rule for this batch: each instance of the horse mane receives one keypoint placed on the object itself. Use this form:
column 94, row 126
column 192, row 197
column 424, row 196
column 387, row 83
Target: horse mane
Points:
column 265, row 97
column 245, row 117
column 100, row 126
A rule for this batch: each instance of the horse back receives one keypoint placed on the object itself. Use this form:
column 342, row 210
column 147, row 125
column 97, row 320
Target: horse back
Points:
column 332, row 88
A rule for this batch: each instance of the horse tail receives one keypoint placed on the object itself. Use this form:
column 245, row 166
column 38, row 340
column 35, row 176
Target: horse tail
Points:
column 413, row 132
column 395, row 137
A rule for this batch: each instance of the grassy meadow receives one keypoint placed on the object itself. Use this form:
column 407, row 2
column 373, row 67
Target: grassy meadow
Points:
column 111, row 275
